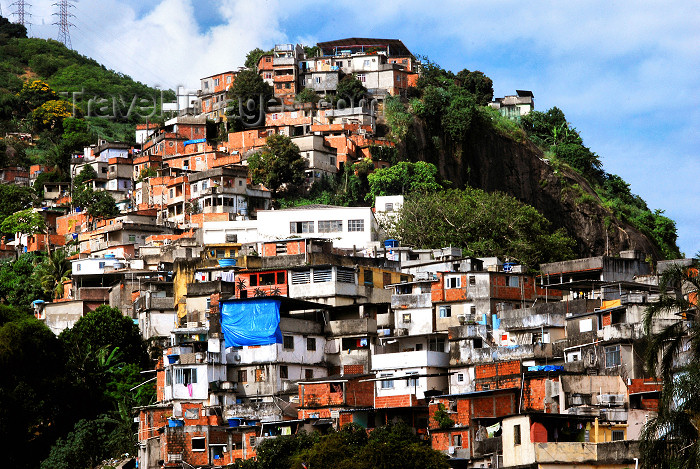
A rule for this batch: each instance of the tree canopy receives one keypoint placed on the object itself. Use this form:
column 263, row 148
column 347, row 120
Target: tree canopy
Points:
column 482, row 224
column 402, row 179
column 351, row 90
column 672, row 437
column 278, row 164
column 390, row 447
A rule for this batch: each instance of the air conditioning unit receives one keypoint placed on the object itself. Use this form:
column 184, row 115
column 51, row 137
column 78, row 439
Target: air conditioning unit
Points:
column 236, row 358
column 402, row 331
column 227, row 385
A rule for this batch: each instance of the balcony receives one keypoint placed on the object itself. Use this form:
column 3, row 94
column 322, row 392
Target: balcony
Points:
column 361, row 326
column 282, row 61
column 621, row 332
column 422, row 300
column 415, row 359
column 488, row 446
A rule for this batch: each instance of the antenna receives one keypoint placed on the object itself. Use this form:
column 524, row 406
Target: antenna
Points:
column 63, row 22
column 21, row 12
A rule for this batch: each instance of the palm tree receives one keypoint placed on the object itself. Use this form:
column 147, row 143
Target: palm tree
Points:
column 53, row 271
column 672, row 438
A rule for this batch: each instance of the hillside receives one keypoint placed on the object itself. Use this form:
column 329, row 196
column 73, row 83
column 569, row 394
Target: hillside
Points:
column 26, row 60
column 540, row 161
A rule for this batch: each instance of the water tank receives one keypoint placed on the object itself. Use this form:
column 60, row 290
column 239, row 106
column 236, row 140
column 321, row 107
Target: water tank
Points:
column 391, row 243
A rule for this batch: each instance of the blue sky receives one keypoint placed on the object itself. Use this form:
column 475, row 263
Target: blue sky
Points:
column 627, row 74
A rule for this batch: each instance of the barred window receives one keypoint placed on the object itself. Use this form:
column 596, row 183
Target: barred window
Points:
column 330, row 226
column 300, row 227
column 356, row 225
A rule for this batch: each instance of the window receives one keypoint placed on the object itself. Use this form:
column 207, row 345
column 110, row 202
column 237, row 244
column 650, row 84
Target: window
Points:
column 516, row 434
column 406, row 317
column 387, row 383
column 388, row 207
column 199, row 443
column 267, row 75
column 445, row 311
column 172, row 193
column 311, row 344
column 228, row 80
column 288, row 342
column 472, row 310
column 317, row 80
column 185, row 376
column 512, row 281
column 308, row 374
column 217, row 451
column 457, row 440
column 216, row 82
column 268, row 59
column 460, row 377
column 259, row 375
column 323, row 275
column 284, row 372
column 330, row 226
column 366, row 63
column 472, row 280
column 361, row 77
column 612, row 356
column 369, row 278
column 454, row 282
column 298, row 227
column 242, row 376
column 101, row 265
column 168, row 378
column 437, row 345
column 356, row 225
column 345, row 275
column 299, row 278
column 412, row 382
column 618, row 435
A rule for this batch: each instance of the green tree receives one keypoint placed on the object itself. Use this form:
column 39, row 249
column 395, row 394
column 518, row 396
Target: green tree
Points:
column 10, row 30
column 14, row 199
column 482, row 224
column 102, row 205
column 350, row 90
column 25, row 221
column 477, row 84
column 18, row 283
column 672, row 437
column 278, row 164
column 307, row 95
column 53, row 270
column 403, row 178
column 249, row 97
column 35, row 398
column 253, row 57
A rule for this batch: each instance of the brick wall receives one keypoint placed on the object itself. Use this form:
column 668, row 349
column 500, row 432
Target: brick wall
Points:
column 353, row 369
column 358, row 393
column 404, row 400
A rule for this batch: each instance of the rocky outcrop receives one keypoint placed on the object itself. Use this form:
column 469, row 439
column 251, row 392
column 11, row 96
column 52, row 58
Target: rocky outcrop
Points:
column 492, row 162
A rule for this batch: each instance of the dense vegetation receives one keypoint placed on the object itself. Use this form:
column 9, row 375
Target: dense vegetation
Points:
column 482, row 224
column 390, row 447
column 452, row 108
column 48, row 91
column 66, row 400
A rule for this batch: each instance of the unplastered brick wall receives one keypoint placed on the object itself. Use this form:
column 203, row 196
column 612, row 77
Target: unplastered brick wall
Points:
column 353, row 369
column 359, row 393
column 499, row 375
column 404, row 400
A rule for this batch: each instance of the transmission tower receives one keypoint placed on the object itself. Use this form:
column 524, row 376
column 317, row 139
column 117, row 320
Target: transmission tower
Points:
column 63, row 22
column 21, row 12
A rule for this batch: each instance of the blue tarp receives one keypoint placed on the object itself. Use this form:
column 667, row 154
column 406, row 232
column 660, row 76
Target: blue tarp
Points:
column 251, row 322
column 192, row 142
column 545, row 368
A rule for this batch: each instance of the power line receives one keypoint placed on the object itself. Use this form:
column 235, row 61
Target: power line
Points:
column 21, row 12
column 63, row 22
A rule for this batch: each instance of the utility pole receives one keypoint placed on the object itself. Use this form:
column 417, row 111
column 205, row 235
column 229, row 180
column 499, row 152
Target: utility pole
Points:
column 21, row 13
column 63, row 22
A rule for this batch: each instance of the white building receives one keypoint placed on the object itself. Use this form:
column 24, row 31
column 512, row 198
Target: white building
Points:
column 348, row 226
